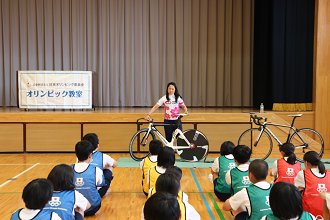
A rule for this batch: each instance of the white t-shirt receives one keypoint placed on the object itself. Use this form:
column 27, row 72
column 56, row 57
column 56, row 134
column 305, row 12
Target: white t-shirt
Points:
column 241, row 198
column 27, row 214
column 80, row 202
column 107, row 160
column 215, row 165
column 81, row 167
column 299, row 181
column 171, row 107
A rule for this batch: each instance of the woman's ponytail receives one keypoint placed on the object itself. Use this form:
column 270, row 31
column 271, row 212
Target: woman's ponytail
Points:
column 288, row 150
column 314, row 159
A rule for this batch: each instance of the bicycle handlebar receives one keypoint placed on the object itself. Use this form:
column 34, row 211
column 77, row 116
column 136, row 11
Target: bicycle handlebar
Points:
column 139, row 123
column 256, row 119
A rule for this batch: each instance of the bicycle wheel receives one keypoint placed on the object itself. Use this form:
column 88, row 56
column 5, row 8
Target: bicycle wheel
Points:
column 199, row 146
column 262, row 149
column 139, row 140
column 312, row 140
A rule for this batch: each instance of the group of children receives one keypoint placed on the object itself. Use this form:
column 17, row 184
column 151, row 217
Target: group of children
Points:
column 294, row 194
column 70, row 192
column 161, row 184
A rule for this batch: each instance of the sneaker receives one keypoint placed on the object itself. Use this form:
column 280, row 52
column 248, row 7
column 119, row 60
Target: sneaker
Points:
column 211, row 178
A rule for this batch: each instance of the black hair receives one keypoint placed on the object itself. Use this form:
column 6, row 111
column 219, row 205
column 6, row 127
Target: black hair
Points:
column 259, row 169
column 175, row 170
column 155, row 146
column 162, row 206
column 93, row 138
column 168, row 182
column 226, row 148
column 176, row 92
column 313, row 158
column 166, row 157
column 285, row 201
column 288, row 150
column 37, row 193
column 83, row 150
column 242, row 153
column 62, row 177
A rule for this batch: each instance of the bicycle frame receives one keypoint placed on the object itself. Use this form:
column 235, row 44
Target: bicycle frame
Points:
column 177, row 131
column 264, row 127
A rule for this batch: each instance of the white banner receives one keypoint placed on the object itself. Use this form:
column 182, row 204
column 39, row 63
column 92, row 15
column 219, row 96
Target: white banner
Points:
column 55, row 89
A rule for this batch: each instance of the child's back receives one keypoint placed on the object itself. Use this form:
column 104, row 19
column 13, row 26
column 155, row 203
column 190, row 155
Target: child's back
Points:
column 312, row 181
column 220, row 167
column 166, row 158
column 254, row 198
column 148, row 162
column 87, row 177
column 36, row 195
column 238, row 177
column 66, row 202
column 286, row 168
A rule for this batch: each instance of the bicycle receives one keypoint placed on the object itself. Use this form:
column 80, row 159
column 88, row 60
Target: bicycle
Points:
column 191, row 145
column 304, row 140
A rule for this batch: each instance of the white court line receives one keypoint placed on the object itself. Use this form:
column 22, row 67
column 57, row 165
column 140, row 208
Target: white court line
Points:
column 28, row 164
column 8, row 181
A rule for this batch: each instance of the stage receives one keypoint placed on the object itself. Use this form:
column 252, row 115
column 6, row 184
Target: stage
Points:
column 60, row 130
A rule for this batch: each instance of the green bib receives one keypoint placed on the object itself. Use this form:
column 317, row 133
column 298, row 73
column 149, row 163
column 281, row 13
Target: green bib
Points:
column 239, row 180
column 259, row 201
column 225, row 165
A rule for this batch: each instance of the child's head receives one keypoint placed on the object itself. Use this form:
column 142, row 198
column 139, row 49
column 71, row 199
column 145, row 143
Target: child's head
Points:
column 285, row 200
column 226, row 148
column 155, row 146
column 93, row 138
column 175, row 170
column 37, row 193
column 168, row 182
column 242, row 153
column 288, row 150
column 314, row 159
column 259, row 169
column 166, row 157
column 162, row 206
column 83, row 150
column 62, row 177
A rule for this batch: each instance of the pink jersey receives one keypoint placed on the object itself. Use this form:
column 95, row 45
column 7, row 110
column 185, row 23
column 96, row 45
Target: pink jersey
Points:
column 171, row 107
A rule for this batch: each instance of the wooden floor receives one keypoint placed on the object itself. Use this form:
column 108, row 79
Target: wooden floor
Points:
column 124, row 201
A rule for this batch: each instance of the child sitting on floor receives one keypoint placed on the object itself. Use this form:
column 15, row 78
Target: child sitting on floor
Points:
column 36, row 195
column 252, row 202
column 238, row 177
column 220, row 167
column 148, row 162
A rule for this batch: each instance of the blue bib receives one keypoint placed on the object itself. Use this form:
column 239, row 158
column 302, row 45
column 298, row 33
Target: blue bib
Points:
column 62, row 203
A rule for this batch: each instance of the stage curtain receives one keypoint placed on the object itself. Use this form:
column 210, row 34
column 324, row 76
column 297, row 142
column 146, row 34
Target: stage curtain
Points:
column 135, row 46
column 283, row 54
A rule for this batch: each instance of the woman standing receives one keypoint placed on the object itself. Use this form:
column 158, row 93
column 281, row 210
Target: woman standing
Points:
column 171, row 101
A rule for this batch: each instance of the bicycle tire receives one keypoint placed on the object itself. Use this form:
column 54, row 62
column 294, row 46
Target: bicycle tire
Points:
column 144, row 149
column 200, row 145
column 313, row 139
column 263, row 148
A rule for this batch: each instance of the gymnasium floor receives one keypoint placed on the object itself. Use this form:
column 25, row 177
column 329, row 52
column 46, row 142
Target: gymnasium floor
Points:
column 125, row 200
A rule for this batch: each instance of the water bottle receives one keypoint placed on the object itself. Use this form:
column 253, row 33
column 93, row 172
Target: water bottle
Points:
column 262, row 108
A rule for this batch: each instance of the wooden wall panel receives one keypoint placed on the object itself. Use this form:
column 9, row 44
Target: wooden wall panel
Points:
column 321, row 70
column 305, row 121
column 112, row 137
column 11, row 137
column 218, row 133
column 52, row 137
